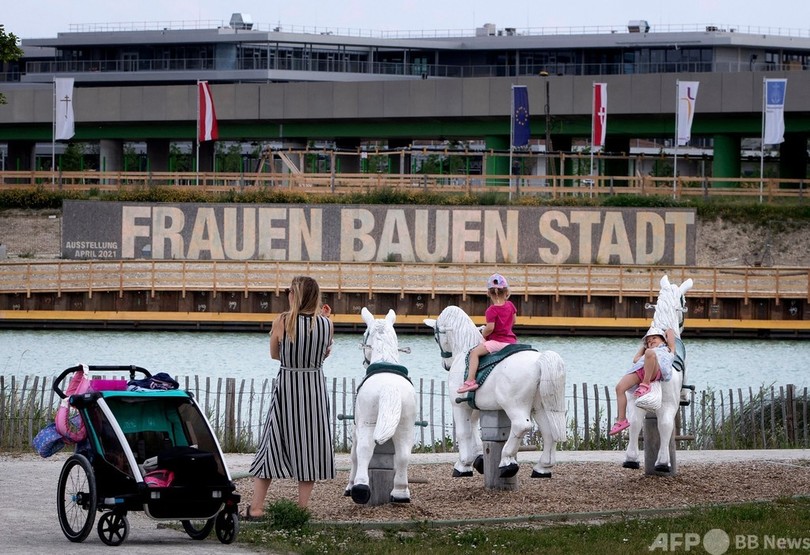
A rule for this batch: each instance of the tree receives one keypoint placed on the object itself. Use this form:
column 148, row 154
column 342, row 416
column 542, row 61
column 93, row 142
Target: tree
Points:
column 230, row 157
column 10, row 51
column 73, row 158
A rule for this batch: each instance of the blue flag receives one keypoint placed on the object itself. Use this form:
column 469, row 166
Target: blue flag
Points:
column 774, row 126
column 520, row 116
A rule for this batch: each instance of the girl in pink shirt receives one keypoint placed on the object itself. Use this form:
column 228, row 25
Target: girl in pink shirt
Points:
column 500, row 317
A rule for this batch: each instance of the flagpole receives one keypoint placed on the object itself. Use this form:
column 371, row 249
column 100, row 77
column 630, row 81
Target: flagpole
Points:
column 511, row 137
column 675, row 159
column 762, row 143
column 53, row 136
column 197, row 134
column 593, row 134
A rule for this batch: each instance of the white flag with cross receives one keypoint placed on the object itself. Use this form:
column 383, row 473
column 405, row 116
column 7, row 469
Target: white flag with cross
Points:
column 63, row 123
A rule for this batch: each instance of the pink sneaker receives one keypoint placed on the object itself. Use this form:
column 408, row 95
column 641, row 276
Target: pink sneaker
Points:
column 469, row 385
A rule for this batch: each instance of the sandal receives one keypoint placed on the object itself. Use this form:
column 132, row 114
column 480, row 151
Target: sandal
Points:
column 469, row 385
column 247, row 517
column 642, row 390
column 619, row 426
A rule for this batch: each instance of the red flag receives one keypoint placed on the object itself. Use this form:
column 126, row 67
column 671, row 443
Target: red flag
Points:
column 599, row 116
column 207, row 129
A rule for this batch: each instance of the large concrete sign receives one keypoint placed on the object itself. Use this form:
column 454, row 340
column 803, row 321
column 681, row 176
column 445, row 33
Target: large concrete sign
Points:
column 374, row 233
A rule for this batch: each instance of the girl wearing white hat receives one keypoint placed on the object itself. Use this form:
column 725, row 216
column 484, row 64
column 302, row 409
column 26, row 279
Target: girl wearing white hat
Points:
column 653, row 361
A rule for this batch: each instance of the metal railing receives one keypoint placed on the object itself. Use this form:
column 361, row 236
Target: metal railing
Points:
column 437, row 33
column 90, row 277
column 326, row 65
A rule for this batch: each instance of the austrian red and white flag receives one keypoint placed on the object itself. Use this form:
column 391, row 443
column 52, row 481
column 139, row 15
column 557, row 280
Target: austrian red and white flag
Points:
column 207, row 129
column 599, row 126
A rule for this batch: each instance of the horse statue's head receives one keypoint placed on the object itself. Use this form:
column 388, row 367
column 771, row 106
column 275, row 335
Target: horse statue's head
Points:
column 380, row 342
column 671, row 305
column 454, row 332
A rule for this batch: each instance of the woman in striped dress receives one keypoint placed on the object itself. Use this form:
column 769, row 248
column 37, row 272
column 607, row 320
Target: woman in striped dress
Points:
column 297, row 439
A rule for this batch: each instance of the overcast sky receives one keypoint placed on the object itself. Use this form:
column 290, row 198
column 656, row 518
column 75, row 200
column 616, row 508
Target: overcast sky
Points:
column 46, row 18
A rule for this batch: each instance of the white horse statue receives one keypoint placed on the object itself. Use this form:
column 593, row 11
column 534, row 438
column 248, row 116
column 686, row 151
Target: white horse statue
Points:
column 385, row 408
column 669, row 311
column 529, row 386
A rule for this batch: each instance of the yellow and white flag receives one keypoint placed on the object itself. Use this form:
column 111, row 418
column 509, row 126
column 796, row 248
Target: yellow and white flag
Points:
column 63, row 123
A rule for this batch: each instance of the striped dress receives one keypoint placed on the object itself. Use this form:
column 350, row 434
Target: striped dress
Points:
column 297, row 439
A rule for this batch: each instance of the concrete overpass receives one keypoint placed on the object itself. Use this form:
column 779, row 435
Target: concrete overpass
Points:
column 728, row 109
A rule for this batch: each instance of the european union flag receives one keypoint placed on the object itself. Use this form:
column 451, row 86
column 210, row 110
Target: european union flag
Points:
column 520, row 116
column 774, row 124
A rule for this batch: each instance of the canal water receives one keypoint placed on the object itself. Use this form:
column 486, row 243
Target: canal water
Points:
column 712, row 363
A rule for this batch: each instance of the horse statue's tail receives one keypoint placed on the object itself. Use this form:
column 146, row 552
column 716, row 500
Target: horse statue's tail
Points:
column 552, row 391
column 389, row 412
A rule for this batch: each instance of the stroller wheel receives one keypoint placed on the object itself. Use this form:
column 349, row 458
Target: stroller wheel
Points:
column 227, row 526
column 76, row 498
column 198, row 529
column 113, row 528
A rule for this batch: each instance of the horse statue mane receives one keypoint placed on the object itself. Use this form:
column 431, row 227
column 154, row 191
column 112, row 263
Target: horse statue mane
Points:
column 455, row 319
column 671, row 306
column 380, row 343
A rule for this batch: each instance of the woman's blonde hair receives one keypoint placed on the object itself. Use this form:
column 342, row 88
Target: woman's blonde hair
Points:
column 306, row 300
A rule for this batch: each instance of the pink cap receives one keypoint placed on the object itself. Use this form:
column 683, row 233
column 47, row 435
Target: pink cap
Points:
column 497, row 281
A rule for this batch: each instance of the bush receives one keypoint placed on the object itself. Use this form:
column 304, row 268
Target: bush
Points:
column 779, row 215
column 285, row 514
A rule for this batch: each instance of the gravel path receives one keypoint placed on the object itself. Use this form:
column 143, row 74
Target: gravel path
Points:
column 583, row 482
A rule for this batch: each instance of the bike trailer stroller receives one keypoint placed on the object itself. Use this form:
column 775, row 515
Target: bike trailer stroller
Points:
column 149, row 450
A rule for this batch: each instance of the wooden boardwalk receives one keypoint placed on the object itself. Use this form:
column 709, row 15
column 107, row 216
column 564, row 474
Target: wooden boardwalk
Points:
column 246, row 296
column 91, row 277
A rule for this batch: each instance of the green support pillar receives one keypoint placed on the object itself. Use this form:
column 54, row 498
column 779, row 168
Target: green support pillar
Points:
column 207, row 155
column 619, row 146
column 497, row 164
column 158, row 155
column 402, row 163
column 348, row 159
column 563, row 143
column 793, row 156
column 726, row 159
column 21, row 156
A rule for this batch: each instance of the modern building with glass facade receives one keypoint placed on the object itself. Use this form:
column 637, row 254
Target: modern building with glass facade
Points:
column 295, row 86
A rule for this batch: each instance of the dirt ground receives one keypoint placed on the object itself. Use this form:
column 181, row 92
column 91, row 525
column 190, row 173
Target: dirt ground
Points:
column 575, row 487
column 38, row 234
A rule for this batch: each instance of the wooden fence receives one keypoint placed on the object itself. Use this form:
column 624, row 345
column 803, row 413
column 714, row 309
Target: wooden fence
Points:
column 743, row 418
column 553, row 186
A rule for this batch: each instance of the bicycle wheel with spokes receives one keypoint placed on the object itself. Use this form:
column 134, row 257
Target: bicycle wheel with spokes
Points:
column 76, row 498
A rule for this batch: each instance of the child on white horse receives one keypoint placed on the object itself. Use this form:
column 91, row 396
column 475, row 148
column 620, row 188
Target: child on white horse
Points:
column 497, row 332
column 653, row 361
